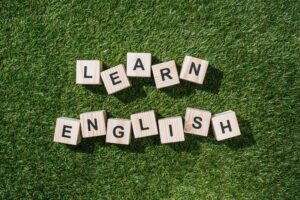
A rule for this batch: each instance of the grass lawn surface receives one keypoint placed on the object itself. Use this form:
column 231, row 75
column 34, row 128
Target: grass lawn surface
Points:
column 253, row 51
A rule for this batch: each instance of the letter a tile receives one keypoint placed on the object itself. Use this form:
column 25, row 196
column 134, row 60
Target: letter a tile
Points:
column 139, row 64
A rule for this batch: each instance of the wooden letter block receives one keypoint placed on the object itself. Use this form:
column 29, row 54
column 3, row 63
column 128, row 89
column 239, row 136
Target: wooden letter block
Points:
column 115, row 79
column 67, row 131
column 88, row 72
column 197, row 121
column 93, row 124
column 118, row 131
column 165, row 74
column 144, row 124
column 193, row 69
column 139, row 64
column 225, row 125
column 171, row 130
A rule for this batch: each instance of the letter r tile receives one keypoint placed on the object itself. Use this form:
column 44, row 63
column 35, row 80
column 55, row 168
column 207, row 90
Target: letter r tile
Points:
column 165, row 74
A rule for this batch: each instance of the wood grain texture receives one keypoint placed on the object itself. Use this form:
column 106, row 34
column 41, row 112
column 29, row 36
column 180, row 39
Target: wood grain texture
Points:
column 93, row 123
column 197, row 121
column 161, row 80
column 90, row 69
column 118, row 131
column 193, row 69
column 225, row 125
column 115, row 79
column 67, row 131
column 144, row 124
column 171, row 130
column 138, row 64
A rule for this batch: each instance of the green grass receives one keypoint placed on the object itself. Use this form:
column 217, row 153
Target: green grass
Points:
column 253, row 50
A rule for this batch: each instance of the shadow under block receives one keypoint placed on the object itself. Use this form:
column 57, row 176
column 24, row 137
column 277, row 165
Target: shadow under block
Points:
column 165, row 74
column 171, row 130
column 67, row 131
column 138, row 64
column 93, row 124
column 225, row 125
column 118, row 131
column 197, row 121
column 88, row 72
column 144, row 124
column 193, row 69
column 115, row 79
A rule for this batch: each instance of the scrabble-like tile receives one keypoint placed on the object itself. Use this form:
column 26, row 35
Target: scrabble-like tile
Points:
column 139, row 64
column 171, row 130
column 165, row 74
column 197, row 121
column 225, row 125
column 115, row 79
column 193, row 69
column 118, row 131
column 144, row 124
column 67, row 131
column 93, row 124
column 88, row 72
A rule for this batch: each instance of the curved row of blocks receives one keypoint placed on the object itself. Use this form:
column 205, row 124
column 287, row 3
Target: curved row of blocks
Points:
column 89, row 72
column 170, row 130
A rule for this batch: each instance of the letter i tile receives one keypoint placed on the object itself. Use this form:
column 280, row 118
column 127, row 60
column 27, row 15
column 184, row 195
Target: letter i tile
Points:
column 171, row 130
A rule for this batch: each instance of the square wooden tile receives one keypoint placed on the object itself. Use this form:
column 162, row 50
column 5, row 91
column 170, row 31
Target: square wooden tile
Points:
column 67, row 131
column 139, row 64
column 165, row 74
column 171, row 130
column 144, row 124
column 115, row 79
column 225, row 125
column 193, row 69
column 197, row 121
column 118, row 131
column 88, row 72
column 93, row 124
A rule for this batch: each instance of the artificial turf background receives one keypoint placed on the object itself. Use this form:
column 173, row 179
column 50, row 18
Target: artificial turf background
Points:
column 253, row 50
